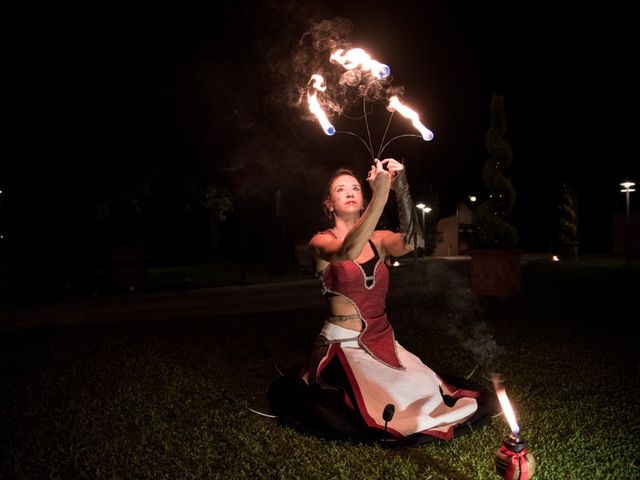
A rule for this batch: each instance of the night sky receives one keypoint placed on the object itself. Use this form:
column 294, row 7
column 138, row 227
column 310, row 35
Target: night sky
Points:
column 131, row 106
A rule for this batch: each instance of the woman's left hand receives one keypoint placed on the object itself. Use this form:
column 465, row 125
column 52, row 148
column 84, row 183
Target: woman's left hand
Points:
column 394, row 168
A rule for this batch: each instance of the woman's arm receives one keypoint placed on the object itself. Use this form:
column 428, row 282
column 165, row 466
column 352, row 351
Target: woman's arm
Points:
column 330, row 249
column 410, row 232
column 393, row 243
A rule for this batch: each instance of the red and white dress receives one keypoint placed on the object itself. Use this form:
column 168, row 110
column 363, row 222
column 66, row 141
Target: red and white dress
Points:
column 356, row 375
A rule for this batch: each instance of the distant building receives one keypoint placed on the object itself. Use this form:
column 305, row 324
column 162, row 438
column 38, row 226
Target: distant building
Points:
column 626, row 241
column 455, row 233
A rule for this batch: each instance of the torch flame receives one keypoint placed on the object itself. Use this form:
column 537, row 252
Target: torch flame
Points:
column 357, row 57
column 506, row 406
column 394, row 104
column 318, row 82
column 314, row 105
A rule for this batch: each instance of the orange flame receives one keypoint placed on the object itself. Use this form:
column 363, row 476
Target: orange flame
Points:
column 506, row 408
column 394, row 104
column 314, row 105
column 357, row 57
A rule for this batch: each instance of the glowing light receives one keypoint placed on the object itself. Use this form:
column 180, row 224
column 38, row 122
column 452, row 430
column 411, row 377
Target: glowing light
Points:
column 506, row 407
column 555, row 258
column 357, row 57
column 472, row 198
column 318, row 82
column 394, row 104
column 396, row 263
column 626, row 187
column 314, row 106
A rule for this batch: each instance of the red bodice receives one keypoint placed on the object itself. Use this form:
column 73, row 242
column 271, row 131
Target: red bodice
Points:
column 347, row 278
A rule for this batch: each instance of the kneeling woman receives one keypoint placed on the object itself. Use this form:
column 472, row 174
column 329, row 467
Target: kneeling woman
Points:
column 361, row 383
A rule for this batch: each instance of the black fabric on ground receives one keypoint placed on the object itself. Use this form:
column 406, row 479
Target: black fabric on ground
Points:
column 320, row 409
column 316, row 410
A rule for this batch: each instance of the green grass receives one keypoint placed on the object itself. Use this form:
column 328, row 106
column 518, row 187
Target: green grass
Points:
column 156, row 400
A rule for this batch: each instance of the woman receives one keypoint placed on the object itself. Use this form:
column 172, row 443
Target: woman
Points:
column 361, row 383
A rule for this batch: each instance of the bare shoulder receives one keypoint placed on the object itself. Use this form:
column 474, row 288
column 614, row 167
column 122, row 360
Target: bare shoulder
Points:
column 381, row 234
column 391, row 243
column 323, row 247
column 322, row 238
column 379, row 237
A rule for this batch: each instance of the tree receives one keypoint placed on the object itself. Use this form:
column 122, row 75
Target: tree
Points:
column 492, row 230
column 568, row 228
column 568, row 231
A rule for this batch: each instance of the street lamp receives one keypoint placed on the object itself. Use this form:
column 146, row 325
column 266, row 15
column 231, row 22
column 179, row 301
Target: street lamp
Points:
column 424, row 209
column 627, row 188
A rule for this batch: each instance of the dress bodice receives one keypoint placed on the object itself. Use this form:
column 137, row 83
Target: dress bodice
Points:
column 348, row 279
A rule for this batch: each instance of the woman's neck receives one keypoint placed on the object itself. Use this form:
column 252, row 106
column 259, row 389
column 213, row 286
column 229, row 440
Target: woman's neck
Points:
column 342, row 227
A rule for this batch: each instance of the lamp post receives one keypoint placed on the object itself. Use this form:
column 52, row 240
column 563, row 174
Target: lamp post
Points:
column 424, row 210
column 627, row 188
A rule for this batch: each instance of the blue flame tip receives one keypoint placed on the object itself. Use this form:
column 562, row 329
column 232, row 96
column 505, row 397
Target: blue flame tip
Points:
column 385, row 71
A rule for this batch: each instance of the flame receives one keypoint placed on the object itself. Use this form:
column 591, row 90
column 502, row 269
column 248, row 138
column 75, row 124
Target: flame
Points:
column 314, row 105
column 506, row 408
column 394, row 104
column 357, row 57
column 318, row 82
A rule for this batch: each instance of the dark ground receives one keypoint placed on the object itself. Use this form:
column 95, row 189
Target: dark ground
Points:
column 136, row 384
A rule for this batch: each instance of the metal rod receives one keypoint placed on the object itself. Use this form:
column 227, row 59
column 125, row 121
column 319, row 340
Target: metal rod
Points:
column 360, row 138
column 366, row 122
column 395, row 138
column 385, row 133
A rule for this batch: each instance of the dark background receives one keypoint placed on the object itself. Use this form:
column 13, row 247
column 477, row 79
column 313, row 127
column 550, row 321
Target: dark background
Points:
column 133, row 108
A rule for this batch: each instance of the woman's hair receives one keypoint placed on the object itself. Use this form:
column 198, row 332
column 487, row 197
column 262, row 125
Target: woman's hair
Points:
column 336, row 174
column 327, row 198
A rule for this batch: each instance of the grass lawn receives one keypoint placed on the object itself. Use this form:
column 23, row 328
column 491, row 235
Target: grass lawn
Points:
column 168, row 399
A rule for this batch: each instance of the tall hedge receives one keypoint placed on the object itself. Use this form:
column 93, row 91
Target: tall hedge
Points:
column 492, row 230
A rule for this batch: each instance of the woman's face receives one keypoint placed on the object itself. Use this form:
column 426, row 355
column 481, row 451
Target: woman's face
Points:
column 346, row 195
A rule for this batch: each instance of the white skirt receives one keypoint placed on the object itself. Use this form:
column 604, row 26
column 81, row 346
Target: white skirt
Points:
column 415, row 392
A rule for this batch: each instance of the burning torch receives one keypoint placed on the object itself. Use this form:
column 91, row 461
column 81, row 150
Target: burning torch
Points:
column 513, row 459
column 316, row 84
column 357, row 58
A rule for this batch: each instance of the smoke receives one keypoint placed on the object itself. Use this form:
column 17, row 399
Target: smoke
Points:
column 327, row 35
column 246, row 108
column 441, row 293
column 346, row 89
column 294, row 63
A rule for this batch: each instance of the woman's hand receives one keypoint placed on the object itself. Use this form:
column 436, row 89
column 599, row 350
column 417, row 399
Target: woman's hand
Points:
column 394, row 168
column 379, row 179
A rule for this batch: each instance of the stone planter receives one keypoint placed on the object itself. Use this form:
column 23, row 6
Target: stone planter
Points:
column 495, row 273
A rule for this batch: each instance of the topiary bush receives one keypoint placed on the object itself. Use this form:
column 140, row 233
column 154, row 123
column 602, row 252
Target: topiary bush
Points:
column 568, row 229
column 492, row 230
